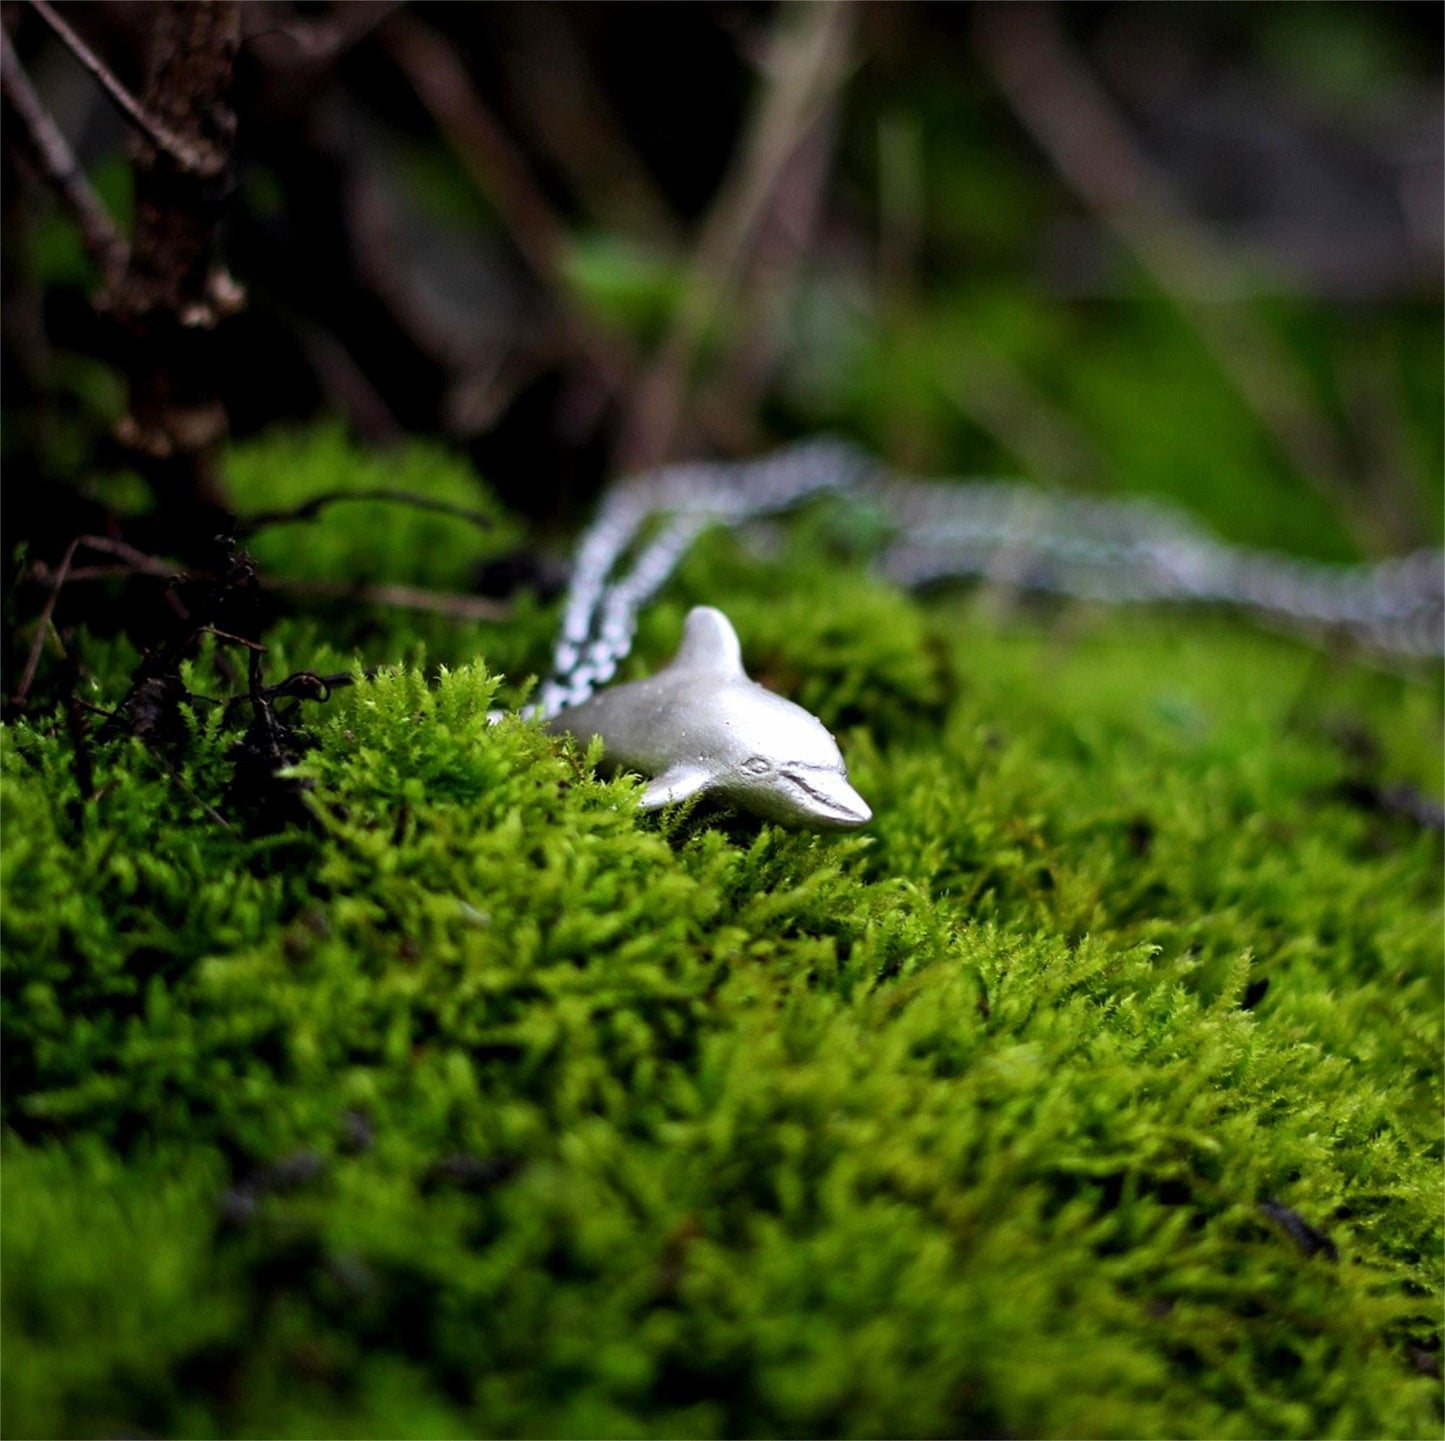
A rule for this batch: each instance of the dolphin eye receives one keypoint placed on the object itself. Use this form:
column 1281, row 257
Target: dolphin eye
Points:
column 757, row 765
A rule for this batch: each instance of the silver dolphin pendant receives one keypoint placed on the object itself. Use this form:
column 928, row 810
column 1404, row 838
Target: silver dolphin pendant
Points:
column 700, row 726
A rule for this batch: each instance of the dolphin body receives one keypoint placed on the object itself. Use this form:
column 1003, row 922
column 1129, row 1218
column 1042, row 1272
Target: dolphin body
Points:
column 700, row 726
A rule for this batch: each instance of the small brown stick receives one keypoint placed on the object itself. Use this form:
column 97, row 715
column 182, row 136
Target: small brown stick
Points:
column 325, row 40
column 1075, row 123
column 459, row 607
column 138, row 559
column 32, row 661
column 99, row 233
column 345, row 384
column 780, row 253
column 133, row 562
column 310, row 509
column 85, row 772
column 552, row 81
column 808, row 58
column 403, row 597
column 80, row 746
column 41, row 573
column 252, row 645
column 211, row 812
column 500, row 172
column 94, row 709
column 196, row 159
column 444, row 87
column 996, row 395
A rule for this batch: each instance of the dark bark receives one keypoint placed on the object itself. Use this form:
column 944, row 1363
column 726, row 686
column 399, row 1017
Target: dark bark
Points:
column 175, row 292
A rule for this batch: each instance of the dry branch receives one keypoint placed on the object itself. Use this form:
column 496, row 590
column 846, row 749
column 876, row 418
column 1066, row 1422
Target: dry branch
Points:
column 806, row 65
column 501, row 173
column 135, row 562
column 1077, row 125
column 310, row 509
column 99, row 234
column 42, row 626
column 174, row 292
column 199, row 158
column 454, row 605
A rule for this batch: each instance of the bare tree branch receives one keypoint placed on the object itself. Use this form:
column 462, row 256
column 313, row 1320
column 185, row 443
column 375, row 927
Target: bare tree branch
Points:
column 481, row 144
column 99, row 233
column 210, row 812
column 780, row 255
column 42, row 626
column 197, row 158
column 806, row 65
column 137, row 562
column 1076, row 124
column 501, row 173
column 174, row 292
column 551, row 79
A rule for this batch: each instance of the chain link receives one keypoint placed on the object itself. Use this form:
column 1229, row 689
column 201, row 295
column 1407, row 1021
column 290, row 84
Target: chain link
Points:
column 1118, row 550
column 600, row 615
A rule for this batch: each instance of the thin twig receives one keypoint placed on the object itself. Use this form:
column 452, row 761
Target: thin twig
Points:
column 806, row 65
column 402, row 597
column 325, row 40
column 196, row 159
column 137, row 559
column 94, row 709
column 32, row 661
column 80, row 746
column 304, row 685
column 99, row 233
column 481, row 144
column 251, row 645
column 133, row 562
column 552, row 81
column 310, row 509
column 500, row 172
column 996, row 395
column 780, row 255
column 345, row 384
column 211, row 812
column 1078, row 127
column 41, row 573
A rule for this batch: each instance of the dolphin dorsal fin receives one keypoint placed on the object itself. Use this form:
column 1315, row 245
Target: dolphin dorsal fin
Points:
column 709, row 643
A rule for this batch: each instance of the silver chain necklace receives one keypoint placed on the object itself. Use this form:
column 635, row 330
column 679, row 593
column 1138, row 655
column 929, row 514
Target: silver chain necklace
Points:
column 1117, row 551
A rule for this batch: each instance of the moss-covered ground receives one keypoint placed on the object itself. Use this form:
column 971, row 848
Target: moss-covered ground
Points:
column 1094, row 1090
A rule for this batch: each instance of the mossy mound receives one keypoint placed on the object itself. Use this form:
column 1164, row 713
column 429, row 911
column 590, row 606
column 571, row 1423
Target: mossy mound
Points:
column 1094, row 1090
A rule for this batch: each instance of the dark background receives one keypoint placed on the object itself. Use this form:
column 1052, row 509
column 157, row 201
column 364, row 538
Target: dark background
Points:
column 1181, row 248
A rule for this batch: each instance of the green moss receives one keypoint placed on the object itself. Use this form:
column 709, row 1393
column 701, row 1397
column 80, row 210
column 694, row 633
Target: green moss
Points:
column 361, row 540
column 486, row 1106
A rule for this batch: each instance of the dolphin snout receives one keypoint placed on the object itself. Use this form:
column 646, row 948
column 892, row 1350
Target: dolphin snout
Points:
column 834, row 804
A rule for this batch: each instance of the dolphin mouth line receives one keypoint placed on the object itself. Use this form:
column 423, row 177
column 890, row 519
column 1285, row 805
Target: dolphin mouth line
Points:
column 829, row 805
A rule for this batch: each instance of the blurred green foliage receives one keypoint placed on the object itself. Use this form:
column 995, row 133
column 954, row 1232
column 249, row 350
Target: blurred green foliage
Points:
column 626, row 285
